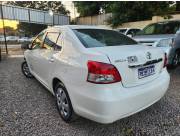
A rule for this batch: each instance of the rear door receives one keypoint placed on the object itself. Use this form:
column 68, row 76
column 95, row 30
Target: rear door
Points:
column 50, row 49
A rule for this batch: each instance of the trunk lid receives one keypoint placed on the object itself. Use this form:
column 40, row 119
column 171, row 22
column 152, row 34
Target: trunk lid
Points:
column 129, row 59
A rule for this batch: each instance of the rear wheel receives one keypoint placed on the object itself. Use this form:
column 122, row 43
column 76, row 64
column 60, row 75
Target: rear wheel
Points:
column 176, row 60
column 25, row 70
column 0, row 53
column 63, row 103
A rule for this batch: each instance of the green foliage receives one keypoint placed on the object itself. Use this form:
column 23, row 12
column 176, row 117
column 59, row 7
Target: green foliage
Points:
column 89, row 8
column 136, row 11
column 10, row 31
column 30, row 29
column 125, row 11
column 177, row 6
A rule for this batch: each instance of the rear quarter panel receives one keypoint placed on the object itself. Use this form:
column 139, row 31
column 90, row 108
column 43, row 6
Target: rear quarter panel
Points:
column 71, row 66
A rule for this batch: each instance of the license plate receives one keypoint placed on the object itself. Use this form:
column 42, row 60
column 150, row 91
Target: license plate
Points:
column 146, row 71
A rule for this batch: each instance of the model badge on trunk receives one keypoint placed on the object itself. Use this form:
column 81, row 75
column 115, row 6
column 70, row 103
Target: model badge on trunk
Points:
column 132, row 59
column 120, row 60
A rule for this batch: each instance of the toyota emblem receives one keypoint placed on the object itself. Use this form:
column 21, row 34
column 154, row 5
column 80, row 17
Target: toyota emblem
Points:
column 148, row 55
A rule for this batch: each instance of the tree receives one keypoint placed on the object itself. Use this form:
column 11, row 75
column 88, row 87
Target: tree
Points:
column 125, row 11
column 89, row 8
column 177, row 5
column 30, row 29
column 135, row 11
column 10, row 30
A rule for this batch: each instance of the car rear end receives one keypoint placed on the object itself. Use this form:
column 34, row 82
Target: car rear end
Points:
column 111, row 102
column 132, row 78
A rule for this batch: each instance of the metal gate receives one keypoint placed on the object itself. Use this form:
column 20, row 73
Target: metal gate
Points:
column 33, row 16
column 29, row 15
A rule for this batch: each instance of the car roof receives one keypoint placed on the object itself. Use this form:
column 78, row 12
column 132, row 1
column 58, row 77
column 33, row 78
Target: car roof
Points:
column 128, row 28
column 168, row 21
column 81, row 27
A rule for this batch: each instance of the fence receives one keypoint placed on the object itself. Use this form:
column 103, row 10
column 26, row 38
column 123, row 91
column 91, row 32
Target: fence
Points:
column 101, row 20
column 33, row 16
column 94, row 20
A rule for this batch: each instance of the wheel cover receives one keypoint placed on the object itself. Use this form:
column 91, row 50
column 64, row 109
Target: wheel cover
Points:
column 176, row 59
column 62, row 102
column 26, row 70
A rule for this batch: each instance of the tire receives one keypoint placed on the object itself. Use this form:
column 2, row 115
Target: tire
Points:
column 176, row 60
column 25, row 70
column 0, row 53
column 63, row 103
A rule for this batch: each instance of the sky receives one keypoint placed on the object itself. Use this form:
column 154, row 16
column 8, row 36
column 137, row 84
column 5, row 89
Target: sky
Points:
column 70, row 6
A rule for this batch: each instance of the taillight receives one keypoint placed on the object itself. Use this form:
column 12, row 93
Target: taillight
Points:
column 165, row 60
column 102, row 73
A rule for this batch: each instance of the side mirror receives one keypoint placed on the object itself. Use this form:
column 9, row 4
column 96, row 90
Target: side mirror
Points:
column 25, row 46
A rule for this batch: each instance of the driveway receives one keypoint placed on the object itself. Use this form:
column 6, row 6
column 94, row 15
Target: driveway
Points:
column 27, row 108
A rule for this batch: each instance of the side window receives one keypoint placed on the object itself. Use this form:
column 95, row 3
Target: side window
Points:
column 150, row 29
column 133, row 31
column 59, row 43
column 130, row 32
column 50, row 40
column 173, row 27
column 137, row 30
column 38, row 41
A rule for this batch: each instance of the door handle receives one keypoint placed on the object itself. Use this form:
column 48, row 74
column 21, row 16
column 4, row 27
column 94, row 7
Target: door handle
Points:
column 51, row 59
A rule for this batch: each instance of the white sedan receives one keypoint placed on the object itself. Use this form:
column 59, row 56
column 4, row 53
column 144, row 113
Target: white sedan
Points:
column 24, row 39
column 130, row 32
column 96, row 73
column 12, row 38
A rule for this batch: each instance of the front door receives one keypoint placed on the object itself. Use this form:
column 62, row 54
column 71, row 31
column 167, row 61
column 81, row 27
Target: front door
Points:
column 34, row 58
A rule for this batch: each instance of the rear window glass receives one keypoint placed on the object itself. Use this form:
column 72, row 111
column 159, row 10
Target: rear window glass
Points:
column 102, row 38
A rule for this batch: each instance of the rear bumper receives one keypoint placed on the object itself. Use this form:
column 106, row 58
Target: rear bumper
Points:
column 114, row 102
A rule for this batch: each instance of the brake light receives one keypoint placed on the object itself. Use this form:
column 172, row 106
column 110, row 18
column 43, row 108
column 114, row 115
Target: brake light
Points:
column 102, row 73
column 165, row 60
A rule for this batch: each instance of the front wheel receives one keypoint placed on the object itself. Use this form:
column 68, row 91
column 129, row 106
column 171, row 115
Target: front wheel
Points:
column 25, row 70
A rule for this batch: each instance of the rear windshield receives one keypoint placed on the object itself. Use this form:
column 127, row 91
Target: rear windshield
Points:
column 102, row 38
